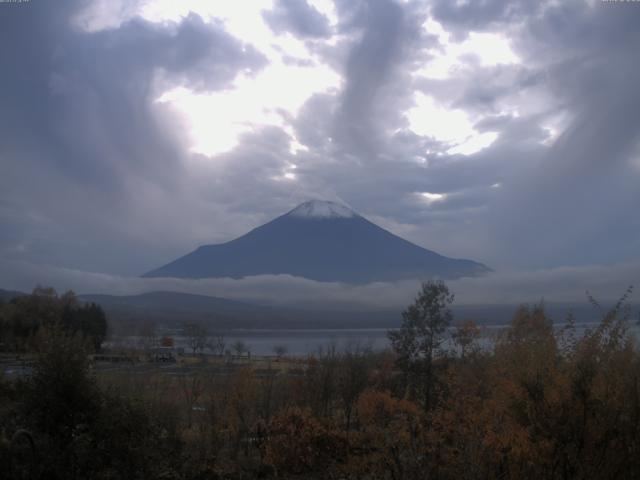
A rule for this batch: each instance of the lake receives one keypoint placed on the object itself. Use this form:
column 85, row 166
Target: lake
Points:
column 302, row 342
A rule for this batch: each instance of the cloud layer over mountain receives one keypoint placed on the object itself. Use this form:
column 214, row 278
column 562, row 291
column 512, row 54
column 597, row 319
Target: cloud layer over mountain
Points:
column 567, row 284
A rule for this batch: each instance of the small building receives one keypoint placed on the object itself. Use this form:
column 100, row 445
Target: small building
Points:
column 111, row 358
column 163, row 355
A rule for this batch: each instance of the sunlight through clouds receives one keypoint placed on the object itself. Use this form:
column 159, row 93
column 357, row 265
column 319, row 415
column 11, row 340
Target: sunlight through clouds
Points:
column 474, row 144
column 431, row 198
column 217, row 119
column 452, row 126
column 488, row 48
column 430, row 119
column 288, row 174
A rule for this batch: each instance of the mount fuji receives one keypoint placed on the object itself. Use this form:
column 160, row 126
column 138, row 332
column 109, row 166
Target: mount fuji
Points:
column 324, row 241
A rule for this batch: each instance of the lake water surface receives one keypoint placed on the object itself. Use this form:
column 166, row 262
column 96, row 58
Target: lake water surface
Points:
column 302, row 342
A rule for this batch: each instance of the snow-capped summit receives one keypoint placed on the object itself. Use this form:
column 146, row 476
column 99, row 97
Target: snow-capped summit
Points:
column 322, row 209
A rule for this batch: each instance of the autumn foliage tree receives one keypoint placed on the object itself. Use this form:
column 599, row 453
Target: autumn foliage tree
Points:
column 300, row 443
column 390, row 439
column 465, row 337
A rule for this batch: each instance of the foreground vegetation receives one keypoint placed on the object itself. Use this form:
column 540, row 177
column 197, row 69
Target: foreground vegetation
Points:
column 541, row 403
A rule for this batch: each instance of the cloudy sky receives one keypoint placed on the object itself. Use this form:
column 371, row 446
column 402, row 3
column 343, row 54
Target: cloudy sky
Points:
column 507, row 132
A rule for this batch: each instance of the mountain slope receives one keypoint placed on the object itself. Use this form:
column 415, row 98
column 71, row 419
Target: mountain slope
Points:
column 172, row 309
column 6, row 295
column 322, row 241
column 170, row 302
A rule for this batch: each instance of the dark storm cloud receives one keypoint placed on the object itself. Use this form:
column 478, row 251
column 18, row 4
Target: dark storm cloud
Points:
column 583, row 190
column 390, row 37
column 297, row 17
column 370, row 61
column 491, row 85
column 257, row 161
column 89, row 160
column 482, row 15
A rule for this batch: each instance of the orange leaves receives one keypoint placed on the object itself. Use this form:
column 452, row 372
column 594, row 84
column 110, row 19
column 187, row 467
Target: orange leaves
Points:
column 465, row 336
column 300, row 443
column 381, row 410
column 390, row 440
column 240, row 411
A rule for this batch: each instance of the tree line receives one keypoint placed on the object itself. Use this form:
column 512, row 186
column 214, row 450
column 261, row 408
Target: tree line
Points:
column 23, row 316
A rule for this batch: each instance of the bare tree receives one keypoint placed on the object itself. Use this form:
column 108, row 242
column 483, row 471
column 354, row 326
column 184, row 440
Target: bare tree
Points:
column 196, row 337
column 280, row 350
column 239, row 347
column 192, row 387
column 321, row 379
column 217, row 344
column 147, row 336
column 353, row 375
